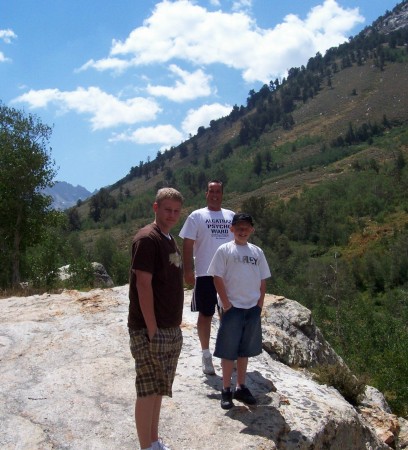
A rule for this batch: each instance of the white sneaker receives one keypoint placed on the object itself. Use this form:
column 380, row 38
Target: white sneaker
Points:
column 208, row 367
column 159, row 445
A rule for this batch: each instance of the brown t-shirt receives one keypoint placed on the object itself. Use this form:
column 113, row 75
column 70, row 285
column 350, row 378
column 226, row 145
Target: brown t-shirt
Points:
column 154, row 253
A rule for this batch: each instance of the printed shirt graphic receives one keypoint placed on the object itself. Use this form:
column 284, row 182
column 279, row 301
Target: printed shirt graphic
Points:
column 175, row 259
column 209, row 230
column 242, row 267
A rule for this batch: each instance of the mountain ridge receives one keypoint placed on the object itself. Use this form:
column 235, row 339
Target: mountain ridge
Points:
column 394, row 21
column 65, row 195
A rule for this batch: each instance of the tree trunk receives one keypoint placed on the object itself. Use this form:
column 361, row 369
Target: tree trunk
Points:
column 16, row 252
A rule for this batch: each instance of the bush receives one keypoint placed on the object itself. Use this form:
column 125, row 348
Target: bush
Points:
column 81, row 275
column 340, row 377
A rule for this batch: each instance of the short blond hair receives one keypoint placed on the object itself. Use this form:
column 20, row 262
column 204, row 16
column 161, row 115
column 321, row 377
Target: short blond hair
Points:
column 168, row 193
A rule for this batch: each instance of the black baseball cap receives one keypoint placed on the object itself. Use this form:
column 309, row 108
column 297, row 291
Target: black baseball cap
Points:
column 242, row 217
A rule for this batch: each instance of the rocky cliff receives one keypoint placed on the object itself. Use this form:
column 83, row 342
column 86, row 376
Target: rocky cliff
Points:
column 67, row 382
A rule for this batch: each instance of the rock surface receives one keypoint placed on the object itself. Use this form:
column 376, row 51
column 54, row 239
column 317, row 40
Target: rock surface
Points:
column 67, row 382
column 291, row 337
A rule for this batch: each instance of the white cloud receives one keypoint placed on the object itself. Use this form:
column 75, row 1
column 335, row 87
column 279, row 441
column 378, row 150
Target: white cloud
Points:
column 186, row 31
column 3, row 58
column 6, row 36
column 115, row 64
column 163, row 135
column 106, row 110
column 191, row 86
column 167, row 135
column 239, row 5
column 183, row 30
column 202, row 116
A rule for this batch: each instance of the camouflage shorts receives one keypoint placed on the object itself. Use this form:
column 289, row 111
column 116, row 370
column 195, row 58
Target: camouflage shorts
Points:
column 155, row 360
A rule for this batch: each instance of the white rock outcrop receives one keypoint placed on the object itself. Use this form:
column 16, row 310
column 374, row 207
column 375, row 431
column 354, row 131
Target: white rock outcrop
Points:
column 101, row 278
column 291, row 337
column 67, row 382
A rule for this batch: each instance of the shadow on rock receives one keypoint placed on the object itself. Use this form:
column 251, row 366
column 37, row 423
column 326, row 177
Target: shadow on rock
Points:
column 262, row 419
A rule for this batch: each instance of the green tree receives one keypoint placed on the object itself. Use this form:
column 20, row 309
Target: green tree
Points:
column 115, row 261
column 26, row 168
column 101, row 202
column 74, row 221
column 42, row 260
column 105, row 248
column 183, row 149
column 257, row 164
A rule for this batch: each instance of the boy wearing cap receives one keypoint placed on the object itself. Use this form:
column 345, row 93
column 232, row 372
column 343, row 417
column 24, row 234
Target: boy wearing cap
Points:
column 240, row 271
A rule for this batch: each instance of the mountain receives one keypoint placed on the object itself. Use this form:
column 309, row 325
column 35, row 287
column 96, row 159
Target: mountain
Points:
column 320, row 159
column 66, row 195
column 293, row 133
column 394, row 20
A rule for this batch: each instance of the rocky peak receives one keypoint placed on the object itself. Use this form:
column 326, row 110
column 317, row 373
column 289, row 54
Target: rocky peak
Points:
column 392, row 21
column 64, row 195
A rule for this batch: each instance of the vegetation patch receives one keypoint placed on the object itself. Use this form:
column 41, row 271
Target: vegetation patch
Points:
column 339, row 377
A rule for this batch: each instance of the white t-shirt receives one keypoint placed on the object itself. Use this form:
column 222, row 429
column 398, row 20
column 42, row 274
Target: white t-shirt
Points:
column 209, row 229
column 242, row 267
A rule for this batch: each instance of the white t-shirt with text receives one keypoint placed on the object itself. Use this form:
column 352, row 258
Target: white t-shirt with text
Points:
column 242, row 267
column 209, row 229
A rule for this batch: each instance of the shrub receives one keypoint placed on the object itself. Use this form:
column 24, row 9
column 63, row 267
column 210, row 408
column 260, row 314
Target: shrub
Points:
column 340, row 377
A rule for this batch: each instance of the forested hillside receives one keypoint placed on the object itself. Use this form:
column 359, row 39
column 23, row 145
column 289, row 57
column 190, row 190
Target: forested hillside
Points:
column 320, row 160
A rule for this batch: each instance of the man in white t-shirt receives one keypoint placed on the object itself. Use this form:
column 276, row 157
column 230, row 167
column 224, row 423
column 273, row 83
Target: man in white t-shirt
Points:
column 203, row 232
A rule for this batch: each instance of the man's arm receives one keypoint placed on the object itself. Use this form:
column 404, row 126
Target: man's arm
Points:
column 145, row 292
column 188, row 264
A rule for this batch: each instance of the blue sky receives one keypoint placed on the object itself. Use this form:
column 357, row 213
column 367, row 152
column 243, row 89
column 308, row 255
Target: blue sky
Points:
column 121, row 80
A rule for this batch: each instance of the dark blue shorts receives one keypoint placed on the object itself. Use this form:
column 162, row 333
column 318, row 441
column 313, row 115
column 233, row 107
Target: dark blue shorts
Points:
column 204, row 296
column 239, row 334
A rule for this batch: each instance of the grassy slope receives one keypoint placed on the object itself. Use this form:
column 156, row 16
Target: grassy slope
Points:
column 321, row 119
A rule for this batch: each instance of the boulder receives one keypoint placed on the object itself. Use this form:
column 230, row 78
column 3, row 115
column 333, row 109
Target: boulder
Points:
column 373, row 398
column 291, row 337
column 403, row 434
column 101, row 277
column 67, row 381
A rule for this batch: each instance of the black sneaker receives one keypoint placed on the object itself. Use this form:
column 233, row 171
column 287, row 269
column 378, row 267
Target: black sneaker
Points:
column 243, row 394
column 226, row 399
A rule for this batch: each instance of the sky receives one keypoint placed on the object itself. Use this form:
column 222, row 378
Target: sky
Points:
column 119, row 81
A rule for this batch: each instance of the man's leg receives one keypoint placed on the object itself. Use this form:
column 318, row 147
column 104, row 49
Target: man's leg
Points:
column 147, row 416
column 156, row 418
column 204, row 330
